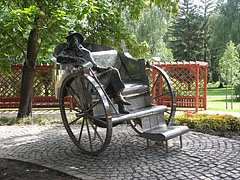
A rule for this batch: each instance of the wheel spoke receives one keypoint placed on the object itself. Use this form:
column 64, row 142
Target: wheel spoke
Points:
column 79, row 81
column 86, row 94
column 80, row 134
column 93, row 105
column 74, row 95
column 95, row 130
column 161, row 95
column 155, row 83
column 75, row 120
column 97, row 119
column 89, row 136
column 71, row 108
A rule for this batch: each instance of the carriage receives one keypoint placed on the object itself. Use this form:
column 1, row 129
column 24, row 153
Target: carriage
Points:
column 89, row 115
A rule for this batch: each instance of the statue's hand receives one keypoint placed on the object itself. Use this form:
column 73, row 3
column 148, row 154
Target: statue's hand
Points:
column 81, row 60
column 100, row 69
column 78, row 62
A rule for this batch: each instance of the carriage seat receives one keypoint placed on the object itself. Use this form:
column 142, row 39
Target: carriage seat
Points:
column 134, row 88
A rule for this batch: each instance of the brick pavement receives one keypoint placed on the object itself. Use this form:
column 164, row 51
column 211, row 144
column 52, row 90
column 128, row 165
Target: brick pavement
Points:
column 202, row 157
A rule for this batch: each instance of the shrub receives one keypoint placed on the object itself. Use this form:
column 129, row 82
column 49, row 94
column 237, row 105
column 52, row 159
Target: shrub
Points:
column 209, row 123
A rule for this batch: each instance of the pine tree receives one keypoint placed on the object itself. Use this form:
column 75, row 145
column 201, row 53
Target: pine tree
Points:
column 185, row 34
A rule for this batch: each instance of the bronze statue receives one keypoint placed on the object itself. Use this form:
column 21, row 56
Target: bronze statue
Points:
column 109, row 77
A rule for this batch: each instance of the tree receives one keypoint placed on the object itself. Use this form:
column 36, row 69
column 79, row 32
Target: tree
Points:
column 224, row 27
column 185, row 36
column 24, row 28
column 32, row 28
column 150, row 29
column 206, row 8
column 229, row 66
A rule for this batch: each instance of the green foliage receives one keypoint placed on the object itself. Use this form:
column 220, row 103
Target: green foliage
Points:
column 18, row 18
column 4, row 68
column 207, row 123
column 99, row 21
column 230, row 63
column 150, row 29
column 224, row 27
column 237, row 88
column 185, row 36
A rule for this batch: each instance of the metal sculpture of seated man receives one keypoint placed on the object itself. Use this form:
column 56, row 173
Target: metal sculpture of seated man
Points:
column 109, row 77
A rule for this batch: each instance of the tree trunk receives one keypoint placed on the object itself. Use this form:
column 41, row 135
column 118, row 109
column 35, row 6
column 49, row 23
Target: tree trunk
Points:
column 231, row 88
column 220, row 85
column 25, row 107
column 226, row 92
column 26, row 94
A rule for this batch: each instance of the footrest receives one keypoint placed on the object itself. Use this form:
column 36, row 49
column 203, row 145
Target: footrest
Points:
column 159, row 134
column 138, row 114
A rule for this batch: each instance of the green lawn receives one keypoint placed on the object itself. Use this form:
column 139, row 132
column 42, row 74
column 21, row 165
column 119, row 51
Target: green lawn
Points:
column 219, row 103
column 218, row 92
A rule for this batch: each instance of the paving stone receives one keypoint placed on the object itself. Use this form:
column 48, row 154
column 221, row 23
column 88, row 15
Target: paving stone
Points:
column 203, row 156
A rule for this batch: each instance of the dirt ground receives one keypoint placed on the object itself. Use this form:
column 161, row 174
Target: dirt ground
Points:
column 12, row 169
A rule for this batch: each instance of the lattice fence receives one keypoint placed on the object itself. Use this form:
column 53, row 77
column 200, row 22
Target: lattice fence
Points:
column 190, row 82
column 43, row 88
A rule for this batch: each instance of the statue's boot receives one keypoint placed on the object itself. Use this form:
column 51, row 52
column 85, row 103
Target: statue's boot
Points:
column 122, row 109
column 120, row 101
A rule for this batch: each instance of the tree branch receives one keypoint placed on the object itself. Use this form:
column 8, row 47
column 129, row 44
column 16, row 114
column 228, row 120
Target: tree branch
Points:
column 19, row 47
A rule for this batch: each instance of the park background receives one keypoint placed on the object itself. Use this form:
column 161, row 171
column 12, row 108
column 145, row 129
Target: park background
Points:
column 159, row 31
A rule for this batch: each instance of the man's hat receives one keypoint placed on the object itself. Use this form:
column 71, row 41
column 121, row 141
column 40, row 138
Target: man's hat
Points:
column 72, row 32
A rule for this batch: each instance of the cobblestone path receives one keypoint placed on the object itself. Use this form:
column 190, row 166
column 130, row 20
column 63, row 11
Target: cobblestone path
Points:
column 128, row 157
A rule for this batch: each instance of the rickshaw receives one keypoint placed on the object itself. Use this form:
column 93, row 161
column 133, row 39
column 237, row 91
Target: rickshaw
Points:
column 88, row 113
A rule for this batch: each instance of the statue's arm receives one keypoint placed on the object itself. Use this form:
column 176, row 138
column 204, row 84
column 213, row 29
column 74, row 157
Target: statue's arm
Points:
column 66, row 58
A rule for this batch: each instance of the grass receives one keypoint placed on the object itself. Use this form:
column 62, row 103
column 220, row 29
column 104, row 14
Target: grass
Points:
column 218, row 92
column 216, row 100
column 219, row 104
column 41, row 120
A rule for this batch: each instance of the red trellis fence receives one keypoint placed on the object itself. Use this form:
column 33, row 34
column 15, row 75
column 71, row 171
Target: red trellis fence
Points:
column 43, row 88
column 189, row 80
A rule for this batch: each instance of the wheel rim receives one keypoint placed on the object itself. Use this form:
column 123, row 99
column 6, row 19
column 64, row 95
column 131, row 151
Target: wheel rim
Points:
column 88, row 124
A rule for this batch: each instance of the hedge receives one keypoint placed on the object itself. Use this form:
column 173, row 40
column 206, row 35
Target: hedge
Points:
column 209, row 122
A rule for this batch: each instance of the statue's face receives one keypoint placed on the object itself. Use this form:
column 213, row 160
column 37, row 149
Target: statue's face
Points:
column 73, row 41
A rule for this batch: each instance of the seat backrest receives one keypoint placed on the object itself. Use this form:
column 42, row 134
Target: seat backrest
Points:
column 131, row 70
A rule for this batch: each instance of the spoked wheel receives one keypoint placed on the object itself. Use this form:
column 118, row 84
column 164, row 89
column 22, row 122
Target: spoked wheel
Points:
column 162, row 92
column 88, row 122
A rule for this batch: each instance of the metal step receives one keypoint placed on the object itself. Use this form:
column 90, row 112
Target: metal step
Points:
column 139, row 113
column 160, row 134
column 164, row 134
